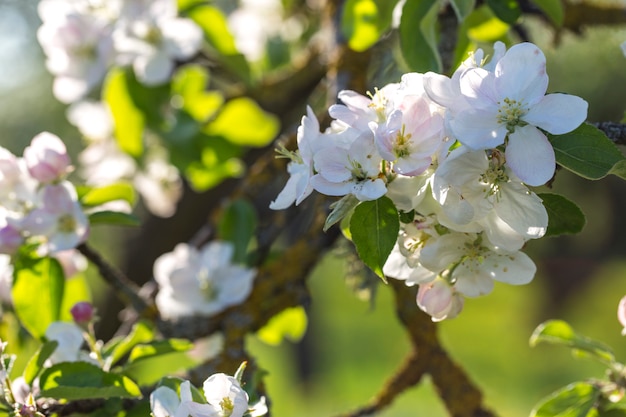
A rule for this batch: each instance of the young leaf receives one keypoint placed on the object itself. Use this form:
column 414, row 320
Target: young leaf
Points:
column 559, row 332
column 83, row 380
column 150, row 362
column 129, row 120
column 259, row 129
column 462, row 8
column 364, row 21
column 76, row 289
column 100, row 195
column 237, row 225
column 291, row 323
column 553, row 9
column 564, row 217
column 114, row 218
column 506, row 10
column 586, row 152
column 35, row 364
column 575, row 400
column 37, row 309
column 418, row 40
column 189, row 84
column 116, row 349
column 374, row 227
column 340, row 209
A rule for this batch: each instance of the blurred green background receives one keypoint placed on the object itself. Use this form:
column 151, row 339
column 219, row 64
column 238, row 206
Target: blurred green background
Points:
column 350, row 349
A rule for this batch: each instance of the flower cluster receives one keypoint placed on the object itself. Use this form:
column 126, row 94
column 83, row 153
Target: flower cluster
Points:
column 456, row 156
column 37, row 205
column 224, row 397
column 82, row 39
column 203, row 282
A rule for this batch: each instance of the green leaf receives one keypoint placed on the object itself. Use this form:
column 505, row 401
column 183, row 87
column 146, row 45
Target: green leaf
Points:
column 81, row 380
column 575, row 400
column 244, row 123
column 116, row 349
column 483, row 27
column 463, row 8
column 619, row 169
column 189, row 92
column 237, row 225
column 586, row 152
column 129, row 120
column 148, row 363
column 364, row 21
column 114, row 218
column 36, row 362
column 76, row 289
column 219, row 159
column 374, row 227
column 553, row 9
column 564, row 216
column 100, row 195
column 506, row 10
column 418, row 39
column 340, row 209
column 291, row 323
column 37, row 293
column 216, row 32
column 559, row 332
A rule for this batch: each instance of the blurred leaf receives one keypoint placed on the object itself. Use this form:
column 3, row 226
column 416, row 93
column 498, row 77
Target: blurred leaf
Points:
column 418, row 38
column 242, row 122
column 237, row 225
column 218, row 161
column 575, row 400
column 374, row 227
column 129, row 120
column 463, row 8
column 558, row 332
column 100, row 195
column 76, row 289
column 364, row 21
column 483, row 27
column 116, row 349
column 37, row 293
column 506, row 10
column 586, row 152
column 189, row 84
column 553, row 9
column 215, row 27
column 564, row 216
column 36, row 362
column 113, row 218
column 82, row 380
column 619, row 169
column 148, row 363
column 289, row 324
column 340, row 209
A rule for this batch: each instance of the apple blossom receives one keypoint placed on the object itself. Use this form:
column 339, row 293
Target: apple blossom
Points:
column 203, row 282
column 621, row 314
column 46, row 158
column 150, row 36
column 70, row 339
column 510, row 105
column 439, row 299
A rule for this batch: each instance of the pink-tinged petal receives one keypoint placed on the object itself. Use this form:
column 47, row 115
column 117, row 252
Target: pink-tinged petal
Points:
column 478, row 129
column 530, row 156
column 558, row 113
column 331, row 164
column 521, row 74
column 621, row 309
column 478, row 87
column 57, row 199
column 412, row 165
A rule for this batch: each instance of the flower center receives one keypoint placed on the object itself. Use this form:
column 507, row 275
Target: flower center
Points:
column 403, row 142
column 66, row 223
column 510, row 113
column 495, row 174
column 207, row 286
column 227, row 407
column 357, row 170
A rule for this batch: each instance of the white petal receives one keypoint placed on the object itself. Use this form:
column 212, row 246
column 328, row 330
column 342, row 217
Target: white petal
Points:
column 513, row 268
column 500, row 234
column 522, row 210
column 478, row 129
column 478, row 87
column 442, row 90
column 164, row 402
column 182, row 37
column 471, row 280
column 331, row 164
column 530, row 156
column 521, row 74
column 153, row 69
column 558, row 113
column 369, row 190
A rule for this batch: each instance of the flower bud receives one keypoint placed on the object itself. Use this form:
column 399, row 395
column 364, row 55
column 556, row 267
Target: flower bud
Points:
column 621, row 314
column 82, row 312
column 439, row 300
column 10, row 239
column 46, row 158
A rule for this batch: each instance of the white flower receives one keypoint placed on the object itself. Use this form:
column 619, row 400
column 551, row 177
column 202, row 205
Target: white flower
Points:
column 510, row 104
column 93, row 119
column 58, row 221
column 160, row 186
column 151, row 37
column 473, row 264
column 201, row 282
column 70, row 339
column 46, row 158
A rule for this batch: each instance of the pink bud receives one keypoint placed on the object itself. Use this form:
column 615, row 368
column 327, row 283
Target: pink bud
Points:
column 621, row 314
column 439, row 300
column 82, row 312
column 46, row 158
column 10, row 239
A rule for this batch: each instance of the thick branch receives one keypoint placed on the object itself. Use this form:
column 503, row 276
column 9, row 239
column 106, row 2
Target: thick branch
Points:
column 614, row 131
